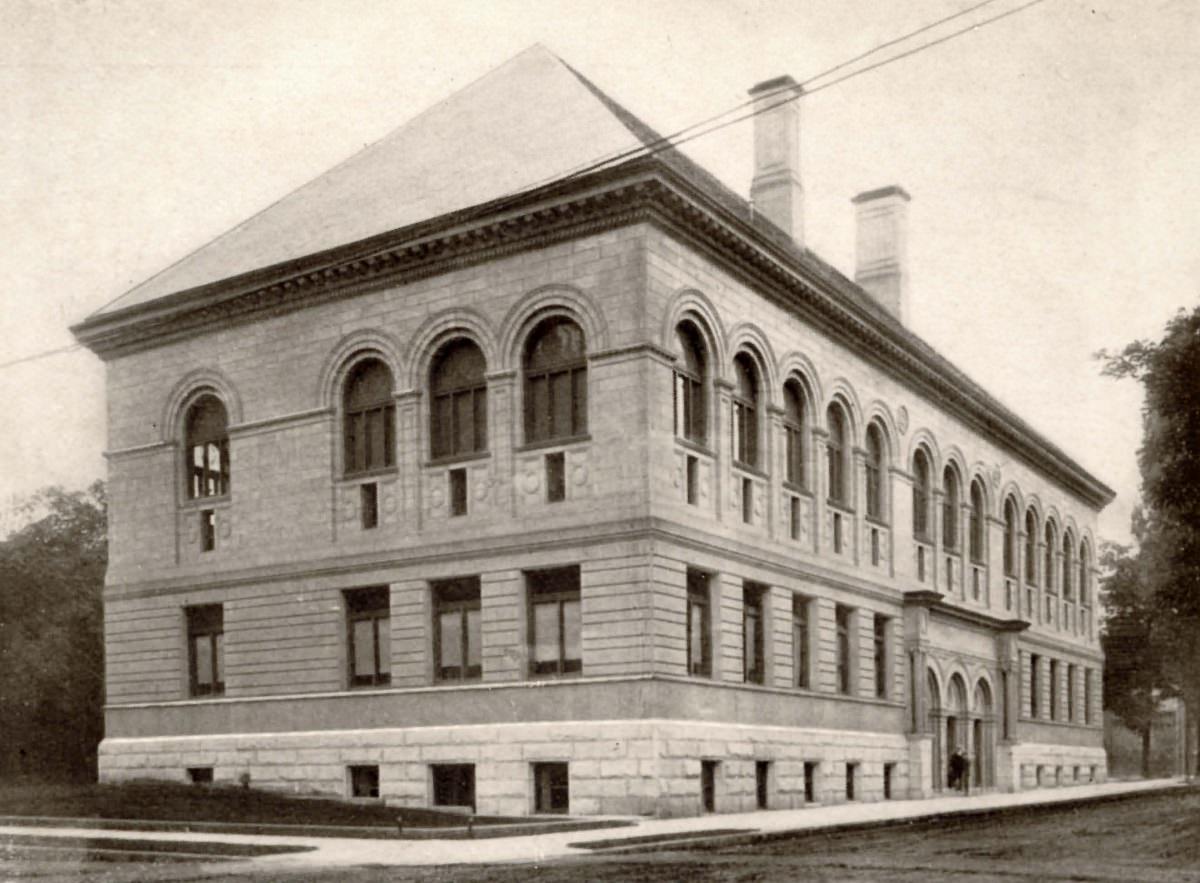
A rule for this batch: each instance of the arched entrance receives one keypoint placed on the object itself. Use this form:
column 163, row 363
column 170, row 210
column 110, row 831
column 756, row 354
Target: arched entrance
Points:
column 933, row 726
column 983, row 764
column 957, row 721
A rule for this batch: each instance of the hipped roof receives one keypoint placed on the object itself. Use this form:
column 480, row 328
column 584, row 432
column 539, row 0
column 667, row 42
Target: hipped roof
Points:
column 529, row 121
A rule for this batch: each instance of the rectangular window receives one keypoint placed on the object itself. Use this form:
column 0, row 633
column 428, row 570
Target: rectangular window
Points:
column 747, row 501
column 762, row 783
column 554, row 621
column 551, row 788
column 810, row 781
column 708, row 785
column 208, row 530
column 793, row 454
column 1053, row 689
column 368, row 625
column 1071, row 693
column 842, row 618
column 693, row 480
column 458, row 492
column 369, row 504
column 920, row 564
column 752, row 630
column 837, row 533
column 1087, row 695
column 794, row 517
column 200, row 775
column 889, row 770
column 556, row 477
column 689, row 407
column 881, row 656
column 206, row 650
column 699, row 624
column 364, row 781
column 457, row 632
column 801, row 649
column 1034, row 703
column 851, row 777
column 453, row 784
column 874, row 547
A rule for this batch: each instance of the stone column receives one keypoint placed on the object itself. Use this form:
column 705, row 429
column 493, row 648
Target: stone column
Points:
column 410, row 454
column 723, row 491
column 903, row 560
column 773, row 465
column 505, row 432
column 819, row 484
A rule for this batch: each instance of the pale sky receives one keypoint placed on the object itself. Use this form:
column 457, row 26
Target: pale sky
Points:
column 1051, row 158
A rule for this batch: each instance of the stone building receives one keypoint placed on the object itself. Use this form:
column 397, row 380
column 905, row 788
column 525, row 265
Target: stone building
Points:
column 474, row 473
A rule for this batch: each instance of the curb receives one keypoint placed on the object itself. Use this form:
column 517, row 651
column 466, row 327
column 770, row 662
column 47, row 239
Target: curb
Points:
column 701, row 842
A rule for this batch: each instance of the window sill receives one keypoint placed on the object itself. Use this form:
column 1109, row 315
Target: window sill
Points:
column 877, row 522
column 361, row 477
column 198, row 503
column 749, row 470
column 697, row 447
column 839, row 506
column 798, row 489
column 545, row 676
column 455, row 459
column 565, row 441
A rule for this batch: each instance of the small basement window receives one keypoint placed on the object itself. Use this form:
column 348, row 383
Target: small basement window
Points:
column 453, row 784
column 551, row 788
column 369, row 505
column 364, row 781
column 200, row 775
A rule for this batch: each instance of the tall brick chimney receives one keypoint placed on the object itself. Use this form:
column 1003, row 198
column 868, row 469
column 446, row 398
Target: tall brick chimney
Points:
column 881, row 266
column 775, row 190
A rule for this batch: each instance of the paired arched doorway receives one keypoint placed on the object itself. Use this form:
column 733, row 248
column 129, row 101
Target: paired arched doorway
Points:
column 957, row 725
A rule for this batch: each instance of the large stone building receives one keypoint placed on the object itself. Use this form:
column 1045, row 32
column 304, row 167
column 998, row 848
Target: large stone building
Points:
column 473, row 473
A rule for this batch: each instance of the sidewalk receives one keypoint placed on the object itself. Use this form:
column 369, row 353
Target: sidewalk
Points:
column 334, row 852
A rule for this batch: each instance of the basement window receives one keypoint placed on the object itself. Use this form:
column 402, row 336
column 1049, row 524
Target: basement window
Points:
column 364, row 781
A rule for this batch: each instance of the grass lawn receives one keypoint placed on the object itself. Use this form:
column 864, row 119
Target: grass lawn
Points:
column 168, row 802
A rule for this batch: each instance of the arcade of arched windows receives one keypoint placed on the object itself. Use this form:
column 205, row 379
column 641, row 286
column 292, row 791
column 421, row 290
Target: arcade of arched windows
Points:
column 841, row 475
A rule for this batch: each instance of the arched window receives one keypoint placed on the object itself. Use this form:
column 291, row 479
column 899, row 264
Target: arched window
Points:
column 875, row 461
column 1085, row 572
column 745, row 410
column 555, row 381
column 690, row 366
column 978, row 522
column 458, row 406
column 837, row 451
column 950, row 507
column 369, row 418
column 207, row 441
column 1031, row 538
column 793, row 433
column 921, row 472
column 1068, row 564
column 1010, row 538
column 1048, row 563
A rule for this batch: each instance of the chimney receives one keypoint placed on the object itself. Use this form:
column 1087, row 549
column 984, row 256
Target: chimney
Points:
column 775, row 191
column 882, row 247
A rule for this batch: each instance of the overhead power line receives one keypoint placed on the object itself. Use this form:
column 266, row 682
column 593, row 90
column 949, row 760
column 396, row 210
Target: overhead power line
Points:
column 710, row 124
column 41, row 355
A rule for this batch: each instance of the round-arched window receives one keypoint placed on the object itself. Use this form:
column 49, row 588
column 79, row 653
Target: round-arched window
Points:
column 458, row 400
column 368, row 418
column 793, row 434
column 921, row 494
column 206, row 439
column 745, row 410
column 874, row 468
column 555, row 368
column 690, row 384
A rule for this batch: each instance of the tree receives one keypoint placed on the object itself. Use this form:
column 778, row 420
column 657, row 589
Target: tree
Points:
column 1169, row 462
column 1133, row 675
column 51, row 644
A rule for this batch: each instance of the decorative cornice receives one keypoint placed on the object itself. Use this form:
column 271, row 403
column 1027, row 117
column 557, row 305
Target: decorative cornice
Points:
column 639, row 191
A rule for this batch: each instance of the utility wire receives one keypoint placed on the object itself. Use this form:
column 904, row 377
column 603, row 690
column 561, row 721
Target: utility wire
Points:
column 690, row 133
column 41, row 355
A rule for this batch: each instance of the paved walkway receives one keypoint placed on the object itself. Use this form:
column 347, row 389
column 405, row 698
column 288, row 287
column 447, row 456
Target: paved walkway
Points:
column 337, row 851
